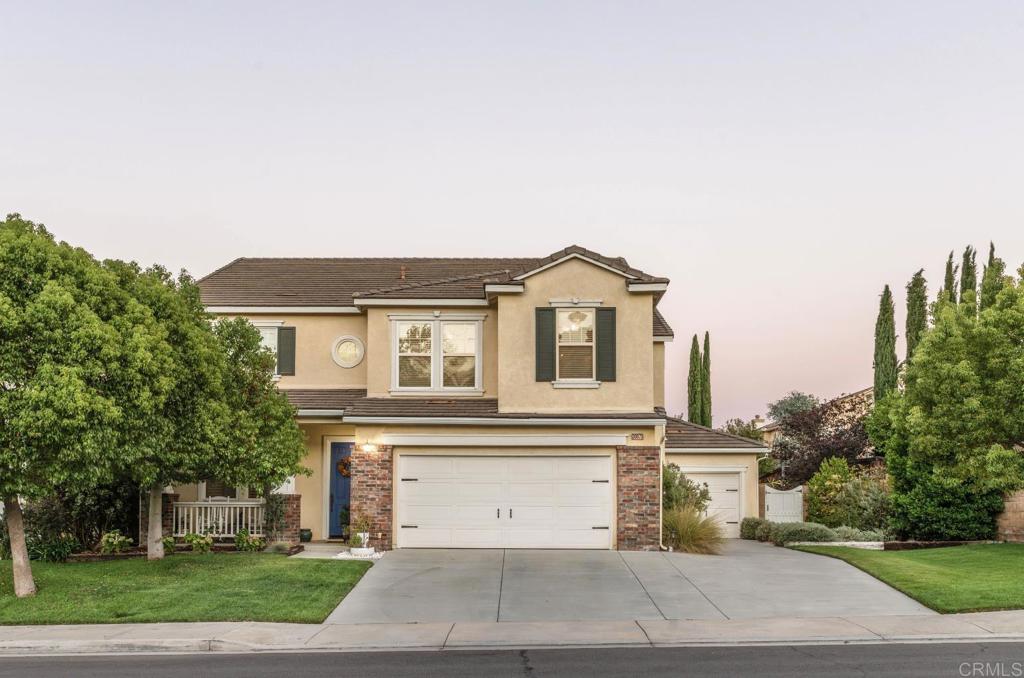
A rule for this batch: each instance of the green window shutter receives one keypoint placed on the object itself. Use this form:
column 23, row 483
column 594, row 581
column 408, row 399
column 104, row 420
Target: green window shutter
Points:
column 545, row 344
column 605, row 344
column 286, row 351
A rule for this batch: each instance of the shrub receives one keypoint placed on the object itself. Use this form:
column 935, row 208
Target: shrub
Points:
column 863, row 503
column 54, row 549
column 678, row 491
column 245, row 542
column 688, row 530
column 168, row 543
column 846, row 533
column 114, row 542
column 784, row 533
column 764, row 531
column 273, row 515
column 823, row 490
column 750, row 526
column 355, row 541
column 932, row 511
column 200, row 543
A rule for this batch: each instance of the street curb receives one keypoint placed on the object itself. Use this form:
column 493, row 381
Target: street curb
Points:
column 219, row 646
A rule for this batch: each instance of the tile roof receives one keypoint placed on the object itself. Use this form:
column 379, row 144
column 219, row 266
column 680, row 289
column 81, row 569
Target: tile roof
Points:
column 323, row 398
column 338, row 281
column 661, row 326
column 680, row 434
column 465, row 407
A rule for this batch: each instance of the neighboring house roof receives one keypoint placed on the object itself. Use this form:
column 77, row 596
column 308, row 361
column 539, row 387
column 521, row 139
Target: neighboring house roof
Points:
column 339, row 282
column 661, row 326
column 466, row 408
column 323, row 398
column 866, row 394
column 680, row 434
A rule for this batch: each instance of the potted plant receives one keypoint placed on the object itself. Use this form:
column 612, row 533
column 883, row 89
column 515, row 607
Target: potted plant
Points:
column 356, row 547
column 359, row 541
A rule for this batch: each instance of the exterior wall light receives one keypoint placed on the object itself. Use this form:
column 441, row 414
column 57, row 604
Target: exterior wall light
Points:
column 369, row 448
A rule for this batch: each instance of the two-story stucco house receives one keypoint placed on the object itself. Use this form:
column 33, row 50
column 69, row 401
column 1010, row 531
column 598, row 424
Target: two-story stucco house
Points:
column 492, row 402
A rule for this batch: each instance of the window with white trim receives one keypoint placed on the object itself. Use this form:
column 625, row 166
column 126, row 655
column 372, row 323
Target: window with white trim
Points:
column 268, row 336
column 437, row 354
column 415, row 354
column 575, row 344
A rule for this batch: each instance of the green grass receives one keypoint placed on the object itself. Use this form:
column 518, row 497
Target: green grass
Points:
column 952, row 579
column 181, row 588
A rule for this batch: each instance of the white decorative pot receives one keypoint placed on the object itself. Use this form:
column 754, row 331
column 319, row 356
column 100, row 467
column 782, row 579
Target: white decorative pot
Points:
column 361, row 552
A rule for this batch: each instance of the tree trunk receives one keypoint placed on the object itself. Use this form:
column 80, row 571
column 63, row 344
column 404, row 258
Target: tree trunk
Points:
column 24, row 584
column 154, row 537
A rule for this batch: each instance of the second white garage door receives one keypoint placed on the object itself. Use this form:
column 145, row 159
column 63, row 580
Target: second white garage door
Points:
column 725, row 499
column 504, row 502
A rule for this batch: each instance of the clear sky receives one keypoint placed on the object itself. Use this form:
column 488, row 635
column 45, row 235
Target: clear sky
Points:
column 779, row 161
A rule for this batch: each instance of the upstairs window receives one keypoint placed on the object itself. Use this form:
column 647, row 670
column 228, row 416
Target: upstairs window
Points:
column 435, row 354
column 281, row 342
column 575, row 334
column 415, row 354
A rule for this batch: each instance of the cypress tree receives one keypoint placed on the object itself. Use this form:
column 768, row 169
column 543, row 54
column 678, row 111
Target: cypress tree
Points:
column 694, row 401
column 969, row 275
column 949, row 282
column 885, row 347
column 705, row 382
column 992, row 278
column 917, row 311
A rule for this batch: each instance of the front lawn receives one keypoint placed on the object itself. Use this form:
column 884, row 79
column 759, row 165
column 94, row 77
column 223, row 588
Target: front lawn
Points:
column 182, row 588
column 952, row 579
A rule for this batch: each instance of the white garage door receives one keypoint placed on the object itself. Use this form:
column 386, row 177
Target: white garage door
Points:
column 725, row 499
column 504, row 502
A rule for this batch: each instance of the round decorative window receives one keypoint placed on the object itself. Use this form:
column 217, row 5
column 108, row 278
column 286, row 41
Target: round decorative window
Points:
column 348, row 351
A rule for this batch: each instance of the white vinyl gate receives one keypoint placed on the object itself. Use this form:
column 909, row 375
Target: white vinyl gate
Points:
column 784, row 506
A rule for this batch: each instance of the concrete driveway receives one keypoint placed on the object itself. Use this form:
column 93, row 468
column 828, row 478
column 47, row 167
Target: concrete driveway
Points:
column 749, row 580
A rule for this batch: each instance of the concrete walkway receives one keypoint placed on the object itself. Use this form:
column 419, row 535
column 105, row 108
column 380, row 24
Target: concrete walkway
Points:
column 749, row 580
column 262, row 637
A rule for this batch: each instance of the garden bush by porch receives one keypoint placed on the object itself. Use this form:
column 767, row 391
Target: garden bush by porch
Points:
column 184, row 588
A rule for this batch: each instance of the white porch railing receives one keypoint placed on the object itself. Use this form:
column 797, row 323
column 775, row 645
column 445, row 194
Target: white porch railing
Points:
column 218, row 518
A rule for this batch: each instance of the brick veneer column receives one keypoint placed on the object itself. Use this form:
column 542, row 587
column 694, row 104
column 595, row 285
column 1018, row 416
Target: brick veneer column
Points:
column 639, row 498
column 371, row 492
column 292, row 520
column 1011, row 521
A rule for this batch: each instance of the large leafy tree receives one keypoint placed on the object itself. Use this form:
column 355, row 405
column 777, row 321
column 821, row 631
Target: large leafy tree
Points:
column 917, row 311
column 743, row 429
column 83, row 368
column 791, row 403
column 993, row 278
column 190, row 432
column 953, row 438
column 705, row 382
column 694, row 391
column 264, row 443
column 886, row 363
column 806, row 437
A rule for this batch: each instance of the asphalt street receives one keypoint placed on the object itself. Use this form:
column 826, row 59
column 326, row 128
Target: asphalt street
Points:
column 1003, row 660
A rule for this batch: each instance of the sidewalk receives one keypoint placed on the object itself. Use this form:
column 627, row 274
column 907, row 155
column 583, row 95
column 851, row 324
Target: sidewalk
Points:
column 265, row 637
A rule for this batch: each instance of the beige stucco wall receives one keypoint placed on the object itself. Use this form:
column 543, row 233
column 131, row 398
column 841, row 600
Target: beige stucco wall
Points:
column 734, row 462
column 378, row 360
column 314, row 338
column 633, row 391
column 659, row 374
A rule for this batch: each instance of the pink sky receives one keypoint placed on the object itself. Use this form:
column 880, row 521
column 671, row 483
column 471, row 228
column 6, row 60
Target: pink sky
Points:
column 780, row 162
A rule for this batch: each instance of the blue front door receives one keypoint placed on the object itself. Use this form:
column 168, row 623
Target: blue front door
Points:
column 341, row 483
